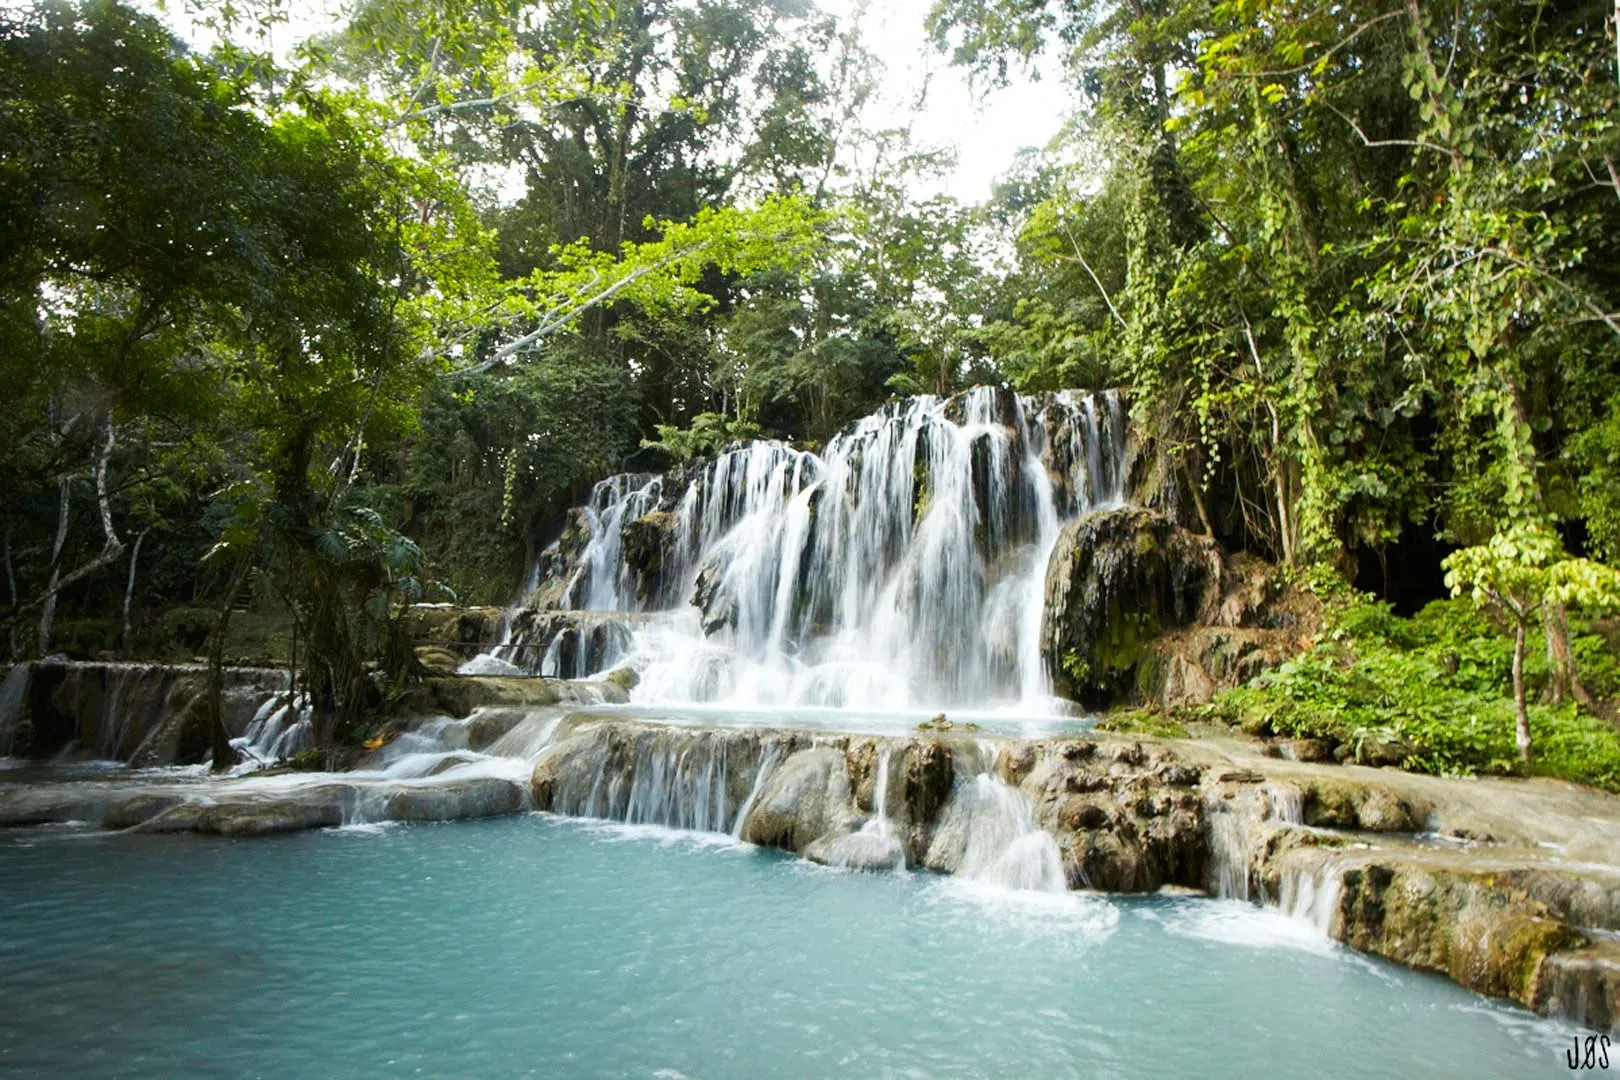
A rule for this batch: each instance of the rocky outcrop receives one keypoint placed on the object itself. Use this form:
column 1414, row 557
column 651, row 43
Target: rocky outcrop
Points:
column 461, row 632
column 1465, row 914
column 571, row 644
column 1118, row 580
column 460, row 696
column 1141, row 610
column 261, row 805
column 805, row 800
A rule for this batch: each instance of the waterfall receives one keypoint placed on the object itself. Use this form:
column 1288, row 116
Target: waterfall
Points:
column 13, row 691
column 1004, row 846
column 1312, row 894
column 274, row 732
column 1234, row 826
column 873, row 846
column 697, row 780
column 901, row 567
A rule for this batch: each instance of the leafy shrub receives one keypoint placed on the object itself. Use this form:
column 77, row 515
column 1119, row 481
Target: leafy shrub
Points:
column 1437, row 685
column 709, row 434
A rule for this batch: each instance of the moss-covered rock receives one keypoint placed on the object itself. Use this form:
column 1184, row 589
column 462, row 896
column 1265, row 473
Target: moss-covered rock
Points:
column 460, row 696
column 1117, row 580
column 1345, row 804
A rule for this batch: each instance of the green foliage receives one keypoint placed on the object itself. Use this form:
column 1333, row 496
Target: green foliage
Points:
column 709, row 433
column 1438, row 684
column 1357, row 263
column 1143, row 722
column 1525, row 566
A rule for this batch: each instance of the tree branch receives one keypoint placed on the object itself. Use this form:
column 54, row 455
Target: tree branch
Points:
column 1095, row 280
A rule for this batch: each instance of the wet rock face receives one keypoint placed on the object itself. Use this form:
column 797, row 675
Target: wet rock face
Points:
column 475, row 798
column 1117, row 581
column 1489, row 939
column 457, row 632
column 646, row 541
column 718, row 607
column 1127, row 817
column 1359, row 805
column 1188, row 667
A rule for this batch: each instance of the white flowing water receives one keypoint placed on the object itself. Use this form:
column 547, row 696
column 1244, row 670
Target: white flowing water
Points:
column 873, row 846
column 902, row 567
column 13, row 689
column 1004, row 846
column 279, row 729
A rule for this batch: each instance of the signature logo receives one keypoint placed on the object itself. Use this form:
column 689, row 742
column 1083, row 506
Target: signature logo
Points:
column 1589, row 1052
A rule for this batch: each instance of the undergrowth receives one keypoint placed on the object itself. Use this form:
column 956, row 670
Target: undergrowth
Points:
column 1437, row 689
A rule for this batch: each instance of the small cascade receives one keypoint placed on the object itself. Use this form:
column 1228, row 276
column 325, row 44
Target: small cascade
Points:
column 768, row 761
column 13, row 693
column 1309, row 886
column 699, row 780
column 489, row 664
column 1231, row 845
column 1311, row 894
column 902, row 566
column 1286, row 803
column 873, row 846
column 1004, row 846
column 279, row 729
column 529, row 737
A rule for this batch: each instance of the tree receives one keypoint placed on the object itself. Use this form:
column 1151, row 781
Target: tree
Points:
column 1516, row 574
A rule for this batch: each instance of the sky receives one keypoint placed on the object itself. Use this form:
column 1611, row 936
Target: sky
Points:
column 987, row 128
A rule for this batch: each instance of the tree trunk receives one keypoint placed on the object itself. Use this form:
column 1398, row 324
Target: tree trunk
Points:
column 111, row 546
column 1521, row 729
column 129, row 585
column 225, row 754
column 11, row 577
column 47, row 611
column 1564, row 681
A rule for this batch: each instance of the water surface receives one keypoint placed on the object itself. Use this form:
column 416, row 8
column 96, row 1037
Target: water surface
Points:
column 538, row 946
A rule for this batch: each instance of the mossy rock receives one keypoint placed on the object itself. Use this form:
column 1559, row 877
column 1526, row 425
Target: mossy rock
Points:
column 1348, row 804
column 1117, row 581
column 1143, row 722
column 625, row 678
column 459, row 696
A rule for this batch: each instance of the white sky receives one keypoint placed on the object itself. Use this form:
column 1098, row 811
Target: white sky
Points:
column 986, row 128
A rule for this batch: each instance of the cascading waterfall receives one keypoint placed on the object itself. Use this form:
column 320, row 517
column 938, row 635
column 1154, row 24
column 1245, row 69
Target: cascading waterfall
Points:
column 901, row 567
column 1307, row 891
column 697, row 780
column 13, row 690
column 1004, row 846
column 873, row 846
column 279, row 729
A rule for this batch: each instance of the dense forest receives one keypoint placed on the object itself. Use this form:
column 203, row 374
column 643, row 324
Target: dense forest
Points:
column 336, row 329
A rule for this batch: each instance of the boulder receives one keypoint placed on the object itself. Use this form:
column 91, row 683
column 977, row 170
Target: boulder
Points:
column 316, row 808
column 807, row 797
column 1117, row 580
column 456, row 801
